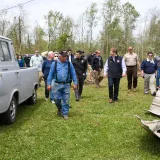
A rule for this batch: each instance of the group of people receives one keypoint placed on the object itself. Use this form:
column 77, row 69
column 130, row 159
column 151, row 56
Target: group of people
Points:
column 60, row 69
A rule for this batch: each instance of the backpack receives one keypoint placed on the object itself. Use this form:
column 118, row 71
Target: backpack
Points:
column 69, row 80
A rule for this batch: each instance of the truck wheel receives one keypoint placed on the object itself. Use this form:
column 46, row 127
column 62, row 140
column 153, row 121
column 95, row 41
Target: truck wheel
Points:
column 10, row 115
column 33, row 99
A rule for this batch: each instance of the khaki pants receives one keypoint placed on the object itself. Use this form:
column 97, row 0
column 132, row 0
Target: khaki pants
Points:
column 40, row 74
column 149, row 80
column 90, row 73
column 98, row 77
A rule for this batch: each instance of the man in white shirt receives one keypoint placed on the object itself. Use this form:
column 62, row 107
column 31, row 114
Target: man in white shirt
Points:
column 36, row 61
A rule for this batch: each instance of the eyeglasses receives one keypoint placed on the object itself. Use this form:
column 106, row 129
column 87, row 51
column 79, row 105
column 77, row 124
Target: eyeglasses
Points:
column 150, row 55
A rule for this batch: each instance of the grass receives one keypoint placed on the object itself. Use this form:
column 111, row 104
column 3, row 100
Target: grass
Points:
column 96, row 130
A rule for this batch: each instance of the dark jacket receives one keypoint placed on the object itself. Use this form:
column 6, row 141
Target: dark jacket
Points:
column 80, row 65
column 27, row 61
column 148, row 67
column 89, row 58
column 115, row 67
column 72, row 57
column 97, row 63
column 46, row 68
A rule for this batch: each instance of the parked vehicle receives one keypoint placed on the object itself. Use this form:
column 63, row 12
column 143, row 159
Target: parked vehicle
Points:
column 16, row 84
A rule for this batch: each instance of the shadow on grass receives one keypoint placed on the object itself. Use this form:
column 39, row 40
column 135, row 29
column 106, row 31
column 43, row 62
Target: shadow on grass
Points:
column 86, row 97
column 75, row 114
column 150, row 144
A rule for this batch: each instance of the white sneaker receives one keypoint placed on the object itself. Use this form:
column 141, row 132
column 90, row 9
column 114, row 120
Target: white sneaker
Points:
column 46, row 99
column 53, row 102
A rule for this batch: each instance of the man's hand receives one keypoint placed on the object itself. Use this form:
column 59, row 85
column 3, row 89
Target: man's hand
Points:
column 105, row 75
column 142, row 74
column 48, row 87
column 74, row 86
column 123, row 75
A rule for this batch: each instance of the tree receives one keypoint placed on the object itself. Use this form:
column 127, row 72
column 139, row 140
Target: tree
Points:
column 91, row 16
column 112, row 32
column 4, row 23
column 130, row 16
column 40, row 43
column 53, row 20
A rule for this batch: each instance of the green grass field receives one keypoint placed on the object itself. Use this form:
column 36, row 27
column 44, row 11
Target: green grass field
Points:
column 96, row 130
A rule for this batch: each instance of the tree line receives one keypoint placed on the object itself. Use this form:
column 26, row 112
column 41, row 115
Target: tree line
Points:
column 116, row 20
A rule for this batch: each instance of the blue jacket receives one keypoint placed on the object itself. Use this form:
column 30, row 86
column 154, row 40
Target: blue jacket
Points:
column 46, row 67
column 148, row 67
column 62, row 72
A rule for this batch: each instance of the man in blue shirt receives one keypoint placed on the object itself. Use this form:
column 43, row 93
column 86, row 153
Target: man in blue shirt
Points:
column 148, row 72
column 62, row 71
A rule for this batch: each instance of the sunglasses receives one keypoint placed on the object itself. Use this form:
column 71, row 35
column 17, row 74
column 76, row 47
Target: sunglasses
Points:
column 55, row 56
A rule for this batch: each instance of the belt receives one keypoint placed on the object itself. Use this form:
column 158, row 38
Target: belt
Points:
column 62, row 82
column 131, row 66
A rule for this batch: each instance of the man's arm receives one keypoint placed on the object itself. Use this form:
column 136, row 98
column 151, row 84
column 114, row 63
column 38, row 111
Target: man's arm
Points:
column 106, row 68
column 124, row 69
column 73, row 74
column 50, row 76
column 138, row 63
column 43, row 66
column 92, row 64
column 142, row 68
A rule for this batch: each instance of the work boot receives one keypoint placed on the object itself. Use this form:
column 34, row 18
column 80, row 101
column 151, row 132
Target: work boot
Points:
column 65, row 117
column 134, row 90
column 110, row 100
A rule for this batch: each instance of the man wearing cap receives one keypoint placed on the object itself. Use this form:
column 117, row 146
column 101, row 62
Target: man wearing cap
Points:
column 36, row 61
column 62, row 71
column 132, row 62
column 97, row 66
column 80, row 66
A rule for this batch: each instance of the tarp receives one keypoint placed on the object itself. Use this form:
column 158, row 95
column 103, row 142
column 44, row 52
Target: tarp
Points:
column 152, row 127
column 155, row 106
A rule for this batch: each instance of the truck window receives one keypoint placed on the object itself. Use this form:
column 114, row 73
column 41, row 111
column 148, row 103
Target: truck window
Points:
column 5, row 49
column 1, row 54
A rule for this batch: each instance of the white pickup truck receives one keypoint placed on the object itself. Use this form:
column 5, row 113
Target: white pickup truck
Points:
column 16, row 84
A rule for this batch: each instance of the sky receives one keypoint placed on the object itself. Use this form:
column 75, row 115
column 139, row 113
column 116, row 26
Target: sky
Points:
column 36, row 9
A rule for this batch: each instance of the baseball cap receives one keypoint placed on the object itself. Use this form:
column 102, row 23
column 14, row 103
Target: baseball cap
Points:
column 63, row 53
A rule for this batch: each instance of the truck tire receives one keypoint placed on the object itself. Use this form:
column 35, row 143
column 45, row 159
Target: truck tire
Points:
column 10, row 115
column 33, row 99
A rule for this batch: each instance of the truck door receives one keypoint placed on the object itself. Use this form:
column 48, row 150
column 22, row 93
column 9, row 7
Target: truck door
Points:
column 8, row 77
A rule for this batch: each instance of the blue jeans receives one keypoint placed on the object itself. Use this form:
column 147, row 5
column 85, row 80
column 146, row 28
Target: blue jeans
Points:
column 158, row 78
column 61, row 97
column 113, row 83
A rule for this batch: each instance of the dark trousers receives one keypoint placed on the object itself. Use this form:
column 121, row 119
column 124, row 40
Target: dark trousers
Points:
column 78, row 91
column 113, row 85
column 132, row 76
column 46, row 91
